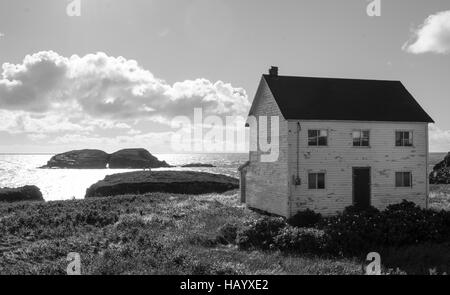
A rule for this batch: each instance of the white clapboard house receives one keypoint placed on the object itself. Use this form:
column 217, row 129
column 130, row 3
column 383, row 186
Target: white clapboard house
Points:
column 342, row 142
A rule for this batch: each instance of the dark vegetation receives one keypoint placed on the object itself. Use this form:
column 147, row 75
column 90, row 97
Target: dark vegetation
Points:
column 162, row 233
column 407, row 237
column 148, row 234
column 25, row 193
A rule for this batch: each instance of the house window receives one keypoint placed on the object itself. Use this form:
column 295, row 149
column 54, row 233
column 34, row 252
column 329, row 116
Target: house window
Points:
column 318, row 137
column 361, row 137
column 403, row 179
column 316, row 180
column 403, row 138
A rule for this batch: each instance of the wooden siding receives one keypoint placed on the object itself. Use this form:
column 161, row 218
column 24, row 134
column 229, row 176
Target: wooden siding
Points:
column 338, row 158
column 267, row 185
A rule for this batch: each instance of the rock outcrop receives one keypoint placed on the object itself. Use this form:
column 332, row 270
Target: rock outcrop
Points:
column 134, row 158
column 180, row 182
column 25, row 193
column 197, row 165
column 97, row 159
column 79, row 159
column 441, row 172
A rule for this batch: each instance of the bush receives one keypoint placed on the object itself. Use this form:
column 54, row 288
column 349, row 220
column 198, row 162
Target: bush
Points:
column 354, row 232
column 228, row 233
column 300, row 240
column 407, row 224
column 306, row 218
column 352, row 210
column 260, row 234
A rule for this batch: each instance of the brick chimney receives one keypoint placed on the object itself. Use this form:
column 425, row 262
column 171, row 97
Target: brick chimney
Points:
column 273, row 71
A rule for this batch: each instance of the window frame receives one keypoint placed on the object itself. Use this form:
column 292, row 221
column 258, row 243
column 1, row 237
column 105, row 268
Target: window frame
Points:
column 318, row 137
column 402, row 139
column 402, row 179
column 361, row 138
column 316, row 186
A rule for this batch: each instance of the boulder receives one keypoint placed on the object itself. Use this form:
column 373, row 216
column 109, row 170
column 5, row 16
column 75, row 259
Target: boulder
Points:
column 134, row 158
column 180, row 182
column 79, row 159
column 197, row 165
column 441, row 172
column 25, row 193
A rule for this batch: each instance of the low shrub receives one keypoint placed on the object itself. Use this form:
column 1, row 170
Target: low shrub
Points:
column 228, row 233
column 352, row 210
column 408, row 224
column 356, row 231
column 130, row 220
column 353, row 233
column 300, row 240
column 306, row 218
column 260, row 234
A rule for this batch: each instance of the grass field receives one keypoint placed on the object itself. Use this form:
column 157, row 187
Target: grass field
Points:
column 150, row 234
column 439, row 196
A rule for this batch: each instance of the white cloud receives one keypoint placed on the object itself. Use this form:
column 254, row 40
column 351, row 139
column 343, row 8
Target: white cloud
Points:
column 25, row 122
column 95, row 97
column 37, row 136
column 2, row 35
column 432, row 36
column 439, row 139
column 108, row 87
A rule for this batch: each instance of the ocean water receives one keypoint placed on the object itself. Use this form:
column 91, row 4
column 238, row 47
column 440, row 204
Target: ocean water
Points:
column 63, row 184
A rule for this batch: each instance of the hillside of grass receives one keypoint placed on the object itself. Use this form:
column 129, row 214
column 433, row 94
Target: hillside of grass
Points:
column 149, row 234
column 160, row 233
column 439, row 196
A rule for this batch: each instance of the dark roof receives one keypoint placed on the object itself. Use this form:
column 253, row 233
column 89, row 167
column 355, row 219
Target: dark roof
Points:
column 344, row 99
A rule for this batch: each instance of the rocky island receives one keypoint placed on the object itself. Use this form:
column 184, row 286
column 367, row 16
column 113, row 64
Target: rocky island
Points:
column 180, row 182
column 79, row 159
column 96, row 159
column 134, row 159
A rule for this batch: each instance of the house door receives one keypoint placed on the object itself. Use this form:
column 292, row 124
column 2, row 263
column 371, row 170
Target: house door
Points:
column 243, row 184
column 361, row 187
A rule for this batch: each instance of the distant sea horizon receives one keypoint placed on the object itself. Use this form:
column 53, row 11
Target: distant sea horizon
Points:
column 19, row 169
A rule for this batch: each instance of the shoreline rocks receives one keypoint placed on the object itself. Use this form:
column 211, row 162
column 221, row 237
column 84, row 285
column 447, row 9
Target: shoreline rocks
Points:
column 197, row 165
column 25, row 193
column 441, row 172
column 96, row 159
column 180, row 182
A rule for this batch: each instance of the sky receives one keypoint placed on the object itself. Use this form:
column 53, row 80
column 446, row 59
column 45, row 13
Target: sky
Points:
column 117, row 74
